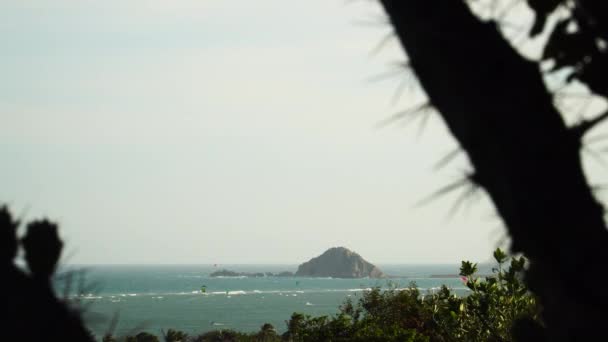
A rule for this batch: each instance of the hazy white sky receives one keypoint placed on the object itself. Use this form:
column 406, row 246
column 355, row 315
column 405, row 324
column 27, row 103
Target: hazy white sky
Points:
column 222, row 131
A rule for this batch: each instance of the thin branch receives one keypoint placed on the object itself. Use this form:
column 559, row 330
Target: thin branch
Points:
column 426, row 114
column 384, row 76
column 596, row 138
column 586, row 125
column 380, row 21
column 383, row 42
column 404, row 85
column 464, row 200
column 595, row 156
column 599, row 187
column 113, row 324
column 445, row 160
column 443, row 191
column 420, row 109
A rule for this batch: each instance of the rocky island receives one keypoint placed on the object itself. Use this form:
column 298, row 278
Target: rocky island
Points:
column 339, row 262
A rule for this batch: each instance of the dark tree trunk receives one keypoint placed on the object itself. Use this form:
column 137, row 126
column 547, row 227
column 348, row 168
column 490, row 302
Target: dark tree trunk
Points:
column 496, row 105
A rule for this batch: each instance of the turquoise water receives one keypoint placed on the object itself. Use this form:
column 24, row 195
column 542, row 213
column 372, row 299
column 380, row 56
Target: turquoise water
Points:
column 152, row 298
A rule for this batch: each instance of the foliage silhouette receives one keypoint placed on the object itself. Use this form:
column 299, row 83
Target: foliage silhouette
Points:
column 34, row 313
column 496, row 104
column 174, row 336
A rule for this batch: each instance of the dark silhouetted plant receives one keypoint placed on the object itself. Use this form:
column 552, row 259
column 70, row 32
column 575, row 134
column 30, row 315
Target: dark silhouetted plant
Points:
column 33, row 311
column 175, row 336
column 495, row 102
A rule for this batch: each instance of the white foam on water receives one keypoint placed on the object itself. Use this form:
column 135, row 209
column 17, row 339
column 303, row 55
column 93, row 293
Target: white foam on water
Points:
column 354, row 290
column 92, row 297
column 288, row 293
column 238, row 292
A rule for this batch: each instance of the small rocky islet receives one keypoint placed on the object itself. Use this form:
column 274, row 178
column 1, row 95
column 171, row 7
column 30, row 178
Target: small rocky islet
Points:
column 228, row 273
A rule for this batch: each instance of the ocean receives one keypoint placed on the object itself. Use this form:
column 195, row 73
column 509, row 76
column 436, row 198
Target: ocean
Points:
column 160, row 297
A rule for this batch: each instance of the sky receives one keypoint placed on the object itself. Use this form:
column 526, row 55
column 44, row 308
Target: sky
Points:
column 224, row 131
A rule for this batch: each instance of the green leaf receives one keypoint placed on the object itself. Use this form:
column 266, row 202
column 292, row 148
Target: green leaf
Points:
column 467, row 269
column 500, row 256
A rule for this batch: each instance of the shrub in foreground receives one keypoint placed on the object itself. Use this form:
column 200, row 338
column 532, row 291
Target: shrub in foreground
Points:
column 488, row 313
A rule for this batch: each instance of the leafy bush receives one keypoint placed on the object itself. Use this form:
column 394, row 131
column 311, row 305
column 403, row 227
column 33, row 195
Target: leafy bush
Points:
column 142, row 337
column 175, row 336
column 495, row 304
column 488, row 313
column 267, row 333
